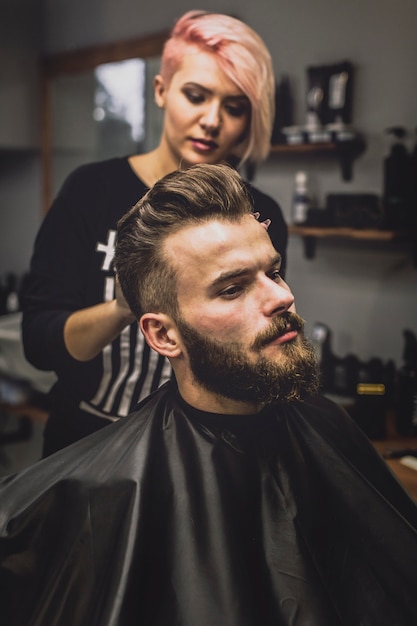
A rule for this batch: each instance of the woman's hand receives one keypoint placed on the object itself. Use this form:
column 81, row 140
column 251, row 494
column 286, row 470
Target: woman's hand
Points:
column 88, row 331
column 122, row 304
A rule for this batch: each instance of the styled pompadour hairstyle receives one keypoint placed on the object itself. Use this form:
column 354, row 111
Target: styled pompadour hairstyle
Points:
column 182, row 198
column 244, row 58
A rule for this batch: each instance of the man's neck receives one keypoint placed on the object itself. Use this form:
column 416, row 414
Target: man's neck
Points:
column 200, row 398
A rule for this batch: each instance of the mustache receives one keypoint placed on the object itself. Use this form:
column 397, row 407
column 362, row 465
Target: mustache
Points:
column 279, row 325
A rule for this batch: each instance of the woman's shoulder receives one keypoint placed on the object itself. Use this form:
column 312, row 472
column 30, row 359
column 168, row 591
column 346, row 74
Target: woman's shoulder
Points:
column 99, row 170
column 267, row 206
column 269, row 209
column 260, row 197
column 110, row 183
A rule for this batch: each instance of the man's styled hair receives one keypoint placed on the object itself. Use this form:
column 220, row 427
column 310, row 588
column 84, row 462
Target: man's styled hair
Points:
column 182, row 198
column 243, row 57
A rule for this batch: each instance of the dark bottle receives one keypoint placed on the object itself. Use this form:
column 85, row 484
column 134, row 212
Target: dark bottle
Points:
column 396, row 181
column 283, row 110
column 9, row 297
column 413, row 178
column 406, row 413
column 3, row 297
column 413, row 198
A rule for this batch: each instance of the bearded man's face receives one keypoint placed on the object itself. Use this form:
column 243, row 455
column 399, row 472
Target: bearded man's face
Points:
column 237, row 321
column 226, row 369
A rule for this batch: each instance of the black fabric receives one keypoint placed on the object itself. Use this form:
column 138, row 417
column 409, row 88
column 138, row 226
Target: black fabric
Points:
column 71, row 269
column 175, row 517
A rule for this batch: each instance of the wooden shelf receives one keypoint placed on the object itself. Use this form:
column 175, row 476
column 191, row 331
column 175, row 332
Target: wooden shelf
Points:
column 311, row 233
column 393, row 441
column 304, row 148
column 345, row 151
column 347, row 233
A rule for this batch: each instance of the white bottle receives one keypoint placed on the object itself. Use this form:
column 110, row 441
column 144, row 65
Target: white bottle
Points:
column 300, row 198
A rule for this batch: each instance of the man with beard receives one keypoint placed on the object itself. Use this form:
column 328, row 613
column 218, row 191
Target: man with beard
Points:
column 235, row 495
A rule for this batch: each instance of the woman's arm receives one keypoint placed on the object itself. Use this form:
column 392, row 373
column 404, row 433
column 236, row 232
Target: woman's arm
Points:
column 88, row 331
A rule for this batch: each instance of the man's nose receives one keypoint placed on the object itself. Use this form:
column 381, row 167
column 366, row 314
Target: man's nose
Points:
column 278, row 298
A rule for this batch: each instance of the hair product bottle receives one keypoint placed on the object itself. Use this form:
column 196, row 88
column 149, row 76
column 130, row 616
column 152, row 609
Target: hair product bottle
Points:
column 413, row 198
column 300, row 202
column 396, row 181
column 406, row 417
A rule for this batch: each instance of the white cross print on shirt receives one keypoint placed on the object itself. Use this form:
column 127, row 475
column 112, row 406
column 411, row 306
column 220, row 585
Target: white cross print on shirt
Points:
column 108, row 249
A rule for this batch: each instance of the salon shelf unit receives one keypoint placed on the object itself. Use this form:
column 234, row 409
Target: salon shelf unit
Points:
column 344, row 151
column 310, row 234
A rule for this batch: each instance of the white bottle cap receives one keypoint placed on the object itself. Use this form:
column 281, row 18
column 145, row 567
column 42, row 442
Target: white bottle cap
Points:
column 301, row 178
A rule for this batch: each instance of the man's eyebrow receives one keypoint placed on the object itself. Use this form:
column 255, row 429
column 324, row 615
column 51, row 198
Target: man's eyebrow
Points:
column 276, row 260
column 225, row 277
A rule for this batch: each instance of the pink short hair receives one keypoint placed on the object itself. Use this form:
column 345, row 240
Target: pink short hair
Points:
column 244, row 58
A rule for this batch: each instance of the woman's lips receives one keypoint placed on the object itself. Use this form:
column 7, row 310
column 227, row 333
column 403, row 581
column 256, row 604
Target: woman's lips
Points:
column 203, row 145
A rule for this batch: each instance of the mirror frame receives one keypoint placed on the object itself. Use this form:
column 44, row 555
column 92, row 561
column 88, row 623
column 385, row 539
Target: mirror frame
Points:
column 77, row 61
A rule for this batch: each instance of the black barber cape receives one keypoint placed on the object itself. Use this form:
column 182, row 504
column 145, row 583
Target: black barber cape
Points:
column 175, row 517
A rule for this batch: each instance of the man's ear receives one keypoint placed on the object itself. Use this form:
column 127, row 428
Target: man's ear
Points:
column 161, row 334
column 159, row 88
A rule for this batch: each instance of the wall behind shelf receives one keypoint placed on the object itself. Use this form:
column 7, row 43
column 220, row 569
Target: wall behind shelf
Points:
column 366, row 296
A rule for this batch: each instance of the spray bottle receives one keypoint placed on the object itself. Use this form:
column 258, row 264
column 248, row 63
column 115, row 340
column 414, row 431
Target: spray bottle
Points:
column 396, row 181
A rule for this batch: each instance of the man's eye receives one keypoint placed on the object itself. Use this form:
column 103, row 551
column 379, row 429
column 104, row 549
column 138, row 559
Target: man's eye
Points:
column 231, row 292
column 275, row 275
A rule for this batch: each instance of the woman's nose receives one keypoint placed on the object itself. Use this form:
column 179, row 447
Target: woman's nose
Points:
column 211, row 118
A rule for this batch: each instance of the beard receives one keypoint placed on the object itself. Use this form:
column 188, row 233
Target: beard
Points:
column 226, row 369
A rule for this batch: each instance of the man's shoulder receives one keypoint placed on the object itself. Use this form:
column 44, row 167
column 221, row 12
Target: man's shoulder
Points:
column 330, row 421
column 321, row 402
column 109, row 454
column 325, row 410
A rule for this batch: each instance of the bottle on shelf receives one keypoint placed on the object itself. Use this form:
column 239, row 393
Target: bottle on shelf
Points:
column 9, row 298
column 413, row 181
column 413, row 198
column 283, row 110
column 301, row 201
column 406, row 417
column 396, row 181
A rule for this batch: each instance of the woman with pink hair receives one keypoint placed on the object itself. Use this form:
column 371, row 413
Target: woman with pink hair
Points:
column 216, row 86
column 241, row 55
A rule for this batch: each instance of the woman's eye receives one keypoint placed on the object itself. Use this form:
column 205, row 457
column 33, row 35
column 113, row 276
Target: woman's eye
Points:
column 194, row 97
column 237, row 110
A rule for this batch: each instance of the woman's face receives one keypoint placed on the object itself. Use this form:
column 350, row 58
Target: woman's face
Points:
column 206, row 115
